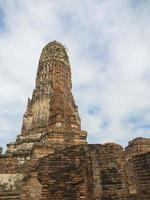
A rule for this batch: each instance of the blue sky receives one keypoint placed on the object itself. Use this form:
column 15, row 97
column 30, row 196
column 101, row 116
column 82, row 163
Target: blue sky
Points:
column 109, row 48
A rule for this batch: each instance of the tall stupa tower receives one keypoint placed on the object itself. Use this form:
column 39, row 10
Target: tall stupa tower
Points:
column 52, row 103
column 51, row 118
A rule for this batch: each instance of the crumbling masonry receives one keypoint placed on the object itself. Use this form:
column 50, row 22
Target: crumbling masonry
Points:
column 51, row 159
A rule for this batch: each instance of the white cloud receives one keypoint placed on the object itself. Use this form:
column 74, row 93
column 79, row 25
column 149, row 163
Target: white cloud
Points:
column 109, row 45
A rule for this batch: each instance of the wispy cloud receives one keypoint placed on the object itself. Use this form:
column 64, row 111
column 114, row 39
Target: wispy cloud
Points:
column 108, row 44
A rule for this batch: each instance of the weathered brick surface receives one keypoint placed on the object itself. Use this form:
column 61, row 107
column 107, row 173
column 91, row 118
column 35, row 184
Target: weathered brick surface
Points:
column 45, row 155
column 135, row 147
column 10, row 177
column 8, row 165
column 10, row 195
column 32, row 190
column 141, row 166
column 85, row 172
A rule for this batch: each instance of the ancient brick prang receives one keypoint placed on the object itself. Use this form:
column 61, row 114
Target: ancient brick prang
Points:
column 51, row 118
column 51, row 159
column 52, row 103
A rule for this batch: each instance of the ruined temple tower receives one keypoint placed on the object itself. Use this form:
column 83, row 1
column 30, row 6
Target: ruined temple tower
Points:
column 51, row 160
column 51, row 120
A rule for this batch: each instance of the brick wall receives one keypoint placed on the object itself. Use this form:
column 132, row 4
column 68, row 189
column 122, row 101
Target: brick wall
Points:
column 141, row 164
column 87, row 172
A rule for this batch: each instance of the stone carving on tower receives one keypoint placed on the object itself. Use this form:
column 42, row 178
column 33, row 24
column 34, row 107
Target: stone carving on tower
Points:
column 52, row 116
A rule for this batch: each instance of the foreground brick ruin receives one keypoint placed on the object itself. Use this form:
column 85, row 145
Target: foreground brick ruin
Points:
column 51, row 159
